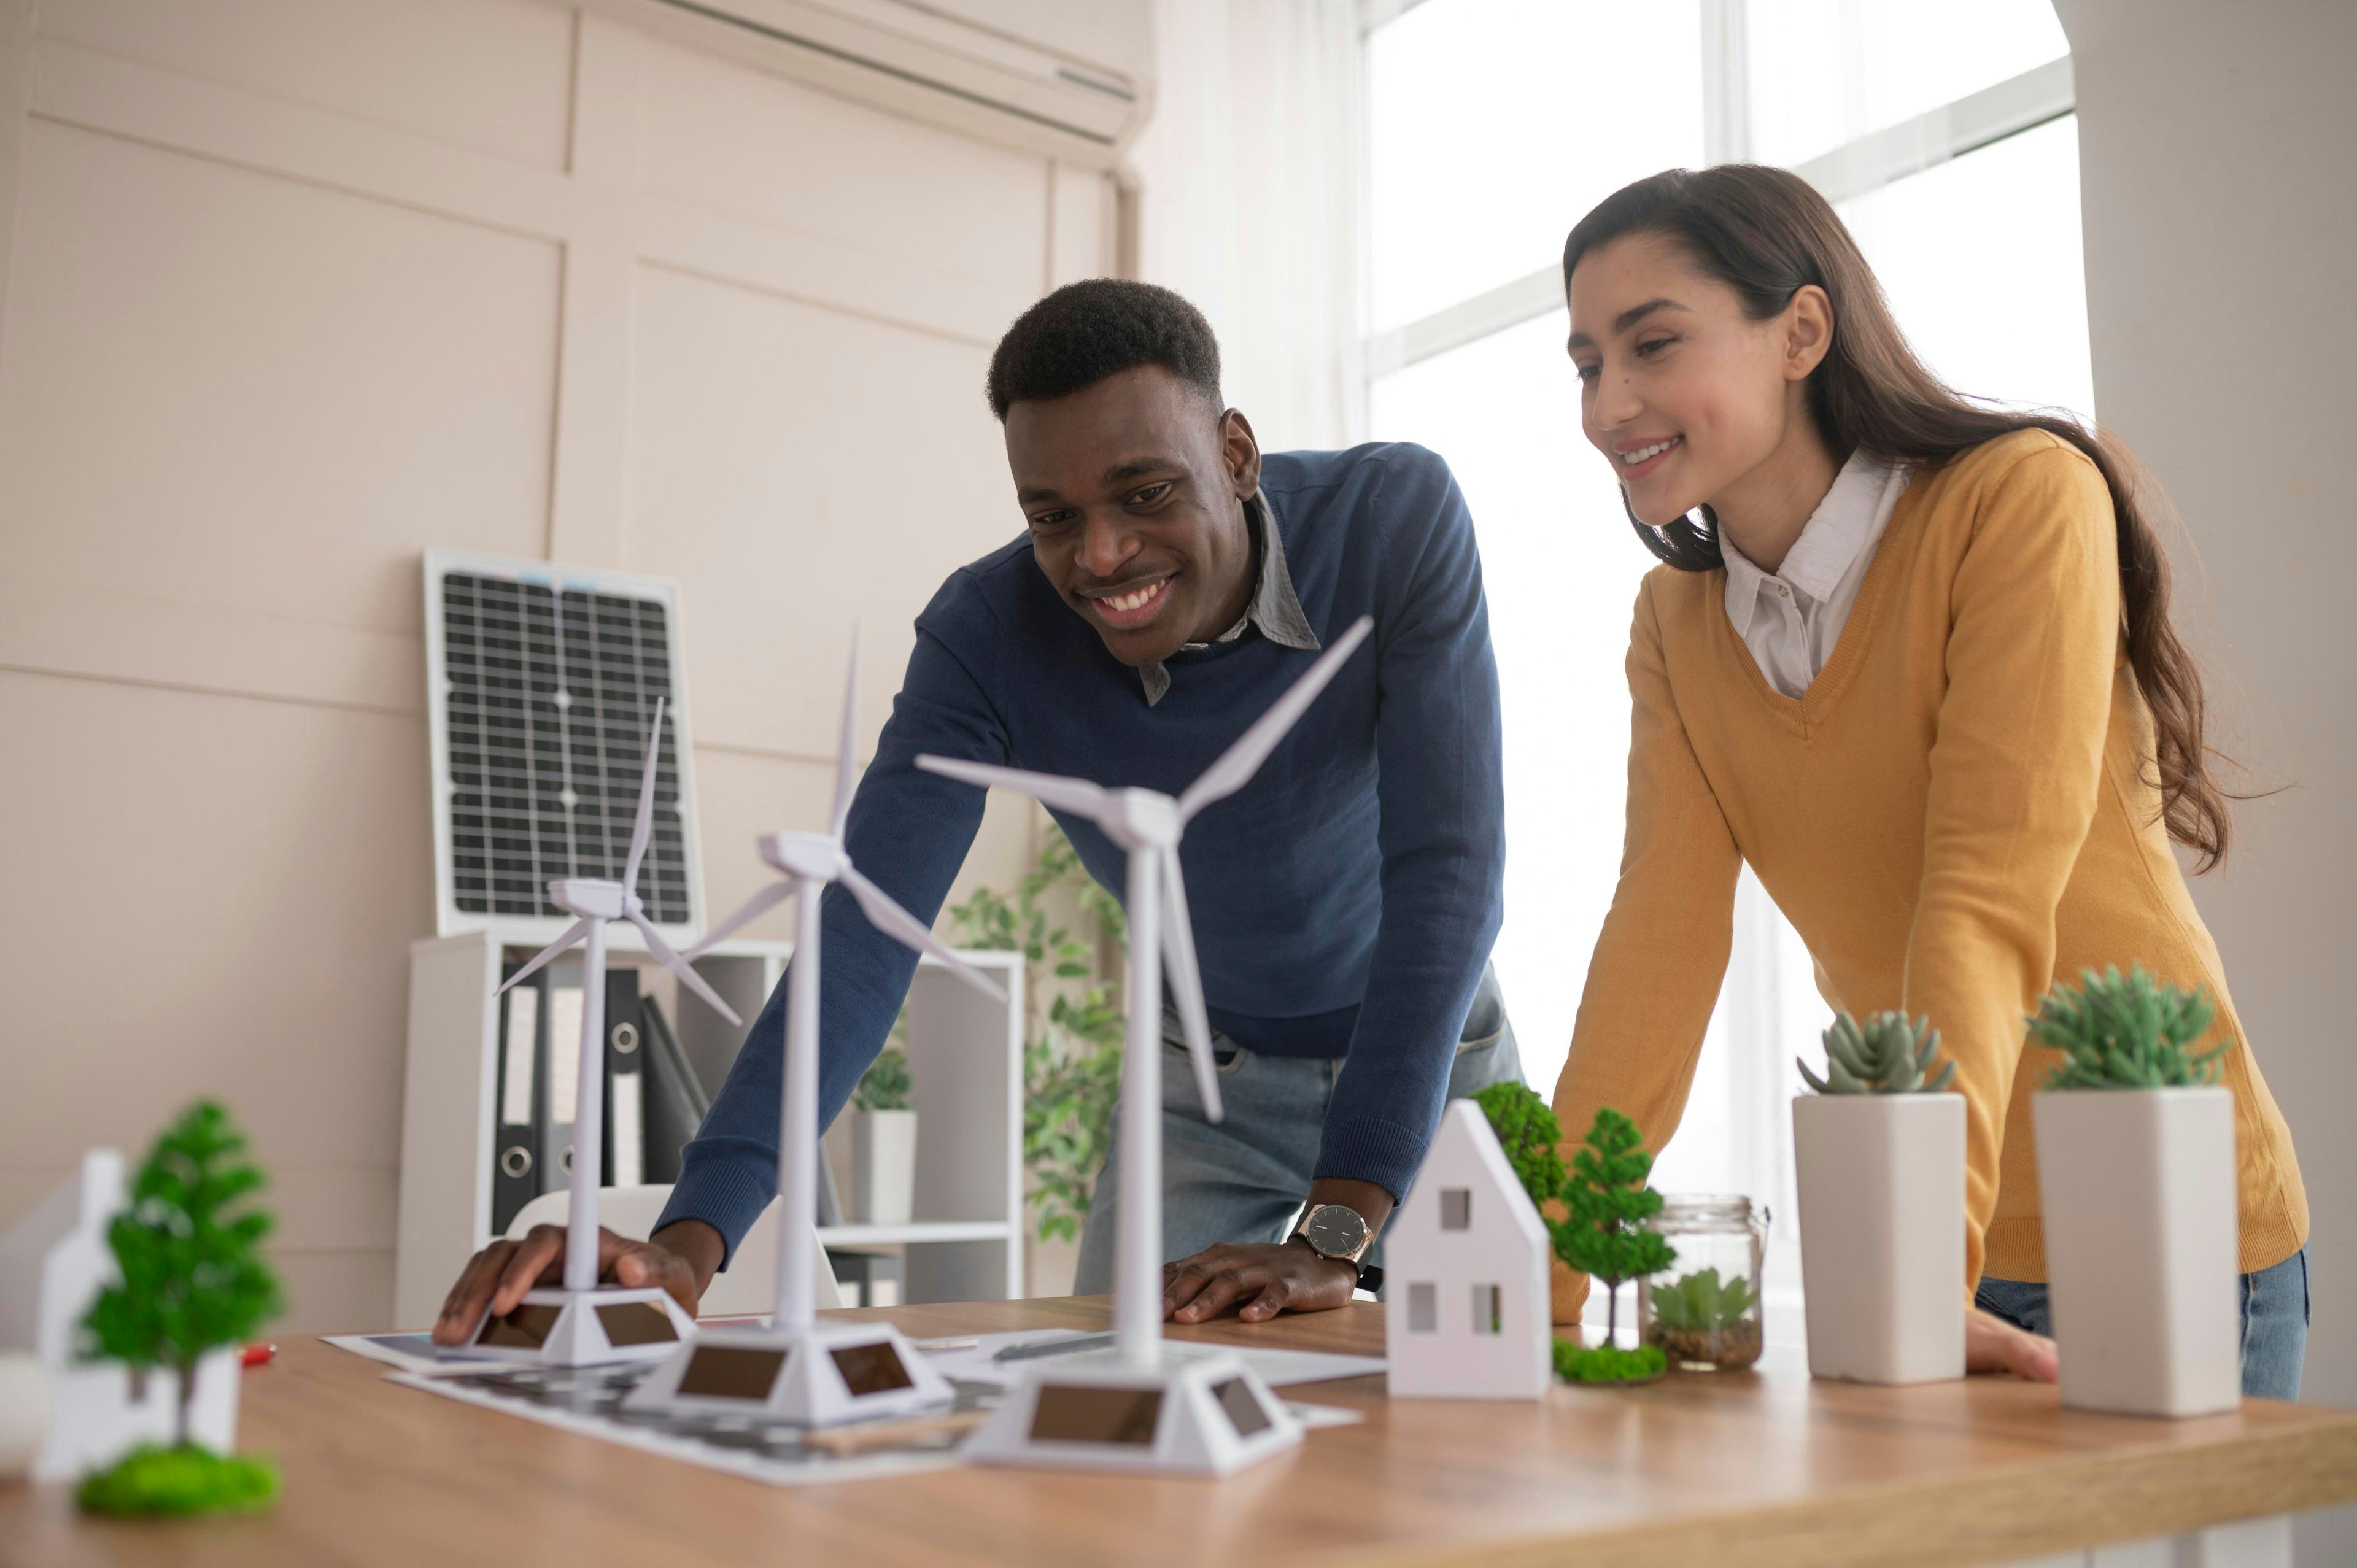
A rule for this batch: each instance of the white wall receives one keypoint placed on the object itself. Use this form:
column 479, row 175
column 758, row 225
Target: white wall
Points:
column 2215, row 156
column 293, row 288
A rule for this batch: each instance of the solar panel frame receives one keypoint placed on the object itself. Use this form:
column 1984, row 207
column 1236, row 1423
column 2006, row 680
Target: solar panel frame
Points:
column 540, row 680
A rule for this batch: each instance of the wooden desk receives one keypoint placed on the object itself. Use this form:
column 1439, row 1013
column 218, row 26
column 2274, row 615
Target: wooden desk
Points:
column 1758, row 1469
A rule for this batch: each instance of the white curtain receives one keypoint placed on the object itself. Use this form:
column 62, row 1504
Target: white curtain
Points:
column 1249, row 203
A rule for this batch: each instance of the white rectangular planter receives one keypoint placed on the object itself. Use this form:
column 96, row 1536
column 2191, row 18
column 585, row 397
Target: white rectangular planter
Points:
column 2138, row 1190
column 1882, row 1234
column 883, row 1166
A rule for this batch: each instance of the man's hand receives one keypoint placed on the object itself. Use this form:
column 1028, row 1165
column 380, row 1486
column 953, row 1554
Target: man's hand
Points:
column 678, row 1259
column 1265, row 1278
column 1993, row 1344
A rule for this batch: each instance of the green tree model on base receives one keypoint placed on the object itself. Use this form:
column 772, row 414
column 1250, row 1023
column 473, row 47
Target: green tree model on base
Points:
column 188, row 1248
column 1605, row 1237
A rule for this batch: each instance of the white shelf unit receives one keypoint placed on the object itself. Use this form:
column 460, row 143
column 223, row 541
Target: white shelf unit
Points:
column 965, row 1055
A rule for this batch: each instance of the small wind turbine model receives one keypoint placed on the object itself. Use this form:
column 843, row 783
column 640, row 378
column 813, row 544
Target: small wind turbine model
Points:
column 1140, row 1406
column 584, row 1323
column 796, row 1368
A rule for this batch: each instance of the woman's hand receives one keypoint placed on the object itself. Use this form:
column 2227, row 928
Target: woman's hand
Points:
column 1993, row 1344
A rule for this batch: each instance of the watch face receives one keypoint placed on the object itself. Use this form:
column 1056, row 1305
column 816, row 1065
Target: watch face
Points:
column 1334, row 1230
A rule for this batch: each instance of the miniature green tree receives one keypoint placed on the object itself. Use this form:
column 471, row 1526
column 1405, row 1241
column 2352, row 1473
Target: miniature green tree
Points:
column 193, row 1279
column 886, row 1083
column 1529, row 1135
column 1605, row 1237
column 2131, row 1033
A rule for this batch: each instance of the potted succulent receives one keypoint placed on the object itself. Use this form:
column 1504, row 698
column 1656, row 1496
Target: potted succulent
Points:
column 2136, row 1173
column 1699, row 1320
column 883, row 1143
column 1879, row 1157
column 1605, row 1237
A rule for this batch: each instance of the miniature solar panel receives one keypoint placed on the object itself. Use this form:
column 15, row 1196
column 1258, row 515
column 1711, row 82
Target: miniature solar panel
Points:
column 550, row 691
column 1082, row 1413
column 871, row 1369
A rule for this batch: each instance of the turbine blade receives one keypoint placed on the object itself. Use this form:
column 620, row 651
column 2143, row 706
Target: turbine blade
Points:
column 1234, row 769
column 1183, row 978
column 679, row 967
column 646, row 822
column 573, row 933
column 909, row 931
column 761, row 903
column 842, row 763
column 1073, row 794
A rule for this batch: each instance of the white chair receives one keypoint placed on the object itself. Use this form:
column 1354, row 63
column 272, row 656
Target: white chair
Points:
column 747, row 1288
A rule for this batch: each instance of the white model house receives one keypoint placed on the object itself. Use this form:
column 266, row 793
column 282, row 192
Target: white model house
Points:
column 53, row 1263
column 1465, row 1273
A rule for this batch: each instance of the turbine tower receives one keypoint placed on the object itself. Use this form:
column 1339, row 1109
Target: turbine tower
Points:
column 796, row 1369
column 1143, row 1406
column 583, row 1323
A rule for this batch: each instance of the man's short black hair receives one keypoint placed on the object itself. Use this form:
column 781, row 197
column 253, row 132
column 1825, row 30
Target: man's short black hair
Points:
column 1086, row 331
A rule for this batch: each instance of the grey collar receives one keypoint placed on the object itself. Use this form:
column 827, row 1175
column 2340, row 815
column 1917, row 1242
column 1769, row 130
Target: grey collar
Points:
column 1276, row 608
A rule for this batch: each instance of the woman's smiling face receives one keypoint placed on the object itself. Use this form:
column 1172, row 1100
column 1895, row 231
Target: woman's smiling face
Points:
column 1683, row 394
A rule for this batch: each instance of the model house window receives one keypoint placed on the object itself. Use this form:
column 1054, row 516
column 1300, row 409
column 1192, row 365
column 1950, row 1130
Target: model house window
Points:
column 1941, row 130
column 1422, row 1308
column 1489, row 1316
column 1456, row 1208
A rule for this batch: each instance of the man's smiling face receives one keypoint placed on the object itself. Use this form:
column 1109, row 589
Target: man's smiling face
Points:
column 1134, row 489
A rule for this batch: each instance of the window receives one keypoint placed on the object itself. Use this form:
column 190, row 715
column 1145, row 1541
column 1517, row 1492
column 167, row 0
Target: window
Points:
column 1422, row 1308
column 1456, row 1208
column 1941, row 131
column 1488, row 1315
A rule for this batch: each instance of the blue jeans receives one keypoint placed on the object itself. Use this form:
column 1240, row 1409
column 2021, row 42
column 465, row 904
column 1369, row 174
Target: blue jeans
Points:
column 1242, row 1179
column 2275, row 1322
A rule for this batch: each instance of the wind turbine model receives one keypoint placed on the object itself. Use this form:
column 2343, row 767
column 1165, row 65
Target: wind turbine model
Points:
column 1140, row 1406
column 584, row 1323
column 796, row 1368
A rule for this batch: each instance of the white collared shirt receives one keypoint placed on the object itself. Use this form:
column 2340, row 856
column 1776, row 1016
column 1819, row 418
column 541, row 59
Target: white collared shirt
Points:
column 1791, row 618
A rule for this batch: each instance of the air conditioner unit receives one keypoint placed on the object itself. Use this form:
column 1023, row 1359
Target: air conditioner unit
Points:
column 963, row 63
column 540, row 682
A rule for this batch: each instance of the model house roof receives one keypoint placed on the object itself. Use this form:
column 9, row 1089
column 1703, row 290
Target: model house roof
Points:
column 1465, row 1155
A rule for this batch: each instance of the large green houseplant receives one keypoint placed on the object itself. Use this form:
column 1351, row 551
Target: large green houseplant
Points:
column 1072, row 1042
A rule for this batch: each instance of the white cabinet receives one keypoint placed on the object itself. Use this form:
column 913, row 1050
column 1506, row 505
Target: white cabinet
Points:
column 965, row 1052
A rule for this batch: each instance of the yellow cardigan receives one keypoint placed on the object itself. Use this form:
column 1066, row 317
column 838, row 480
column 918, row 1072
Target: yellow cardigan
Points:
column 1961, row 809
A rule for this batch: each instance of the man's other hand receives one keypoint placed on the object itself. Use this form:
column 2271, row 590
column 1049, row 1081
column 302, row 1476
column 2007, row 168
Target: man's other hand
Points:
column 1258, row 1280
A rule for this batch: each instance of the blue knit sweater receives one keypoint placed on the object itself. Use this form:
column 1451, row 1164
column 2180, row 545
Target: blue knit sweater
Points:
column 1344, row 901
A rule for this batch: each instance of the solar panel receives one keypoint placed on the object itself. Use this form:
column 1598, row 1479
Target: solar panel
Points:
column 547, row 680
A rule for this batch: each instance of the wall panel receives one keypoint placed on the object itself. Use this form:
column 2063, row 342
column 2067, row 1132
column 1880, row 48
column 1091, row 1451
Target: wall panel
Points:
column 736, row 139
column 231, row 391
column 492, row 75
column 795, row 467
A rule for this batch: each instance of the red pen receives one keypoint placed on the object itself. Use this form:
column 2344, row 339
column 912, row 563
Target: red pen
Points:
column 256, row 1354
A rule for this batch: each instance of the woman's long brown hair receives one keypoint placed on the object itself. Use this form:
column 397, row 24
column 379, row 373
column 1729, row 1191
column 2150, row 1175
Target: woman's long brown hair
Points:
column 1767, row 233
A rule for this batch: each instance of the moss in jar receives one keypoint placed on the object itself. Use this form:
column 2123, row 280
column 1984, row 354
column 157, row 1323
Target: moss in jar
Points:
column 1697, row 1319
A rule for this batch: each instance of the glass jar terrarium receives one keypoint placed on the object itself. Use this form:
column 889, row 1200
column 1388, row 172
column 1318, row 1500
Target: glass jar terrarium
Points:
column 1703, row 1310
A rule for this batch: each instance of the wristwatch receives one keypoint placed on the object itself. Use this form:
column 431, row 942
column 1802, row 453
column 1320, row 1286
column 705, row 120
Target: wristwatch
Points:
column 1339, row 1231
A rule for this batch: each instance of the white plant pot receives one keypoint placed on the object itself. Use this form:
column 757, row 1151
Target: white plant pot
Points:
column 2138, row 1190
column 1882, row 1234
column 883, row 1166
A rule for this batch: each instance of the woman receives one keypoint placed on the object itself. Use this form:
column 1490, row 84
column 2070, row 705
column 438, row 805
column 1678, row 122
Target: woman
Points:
column 1913, row 663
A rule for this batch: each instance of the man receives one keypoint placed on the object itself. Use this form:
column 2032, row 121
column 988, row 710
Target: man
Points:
column 1171, row 584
